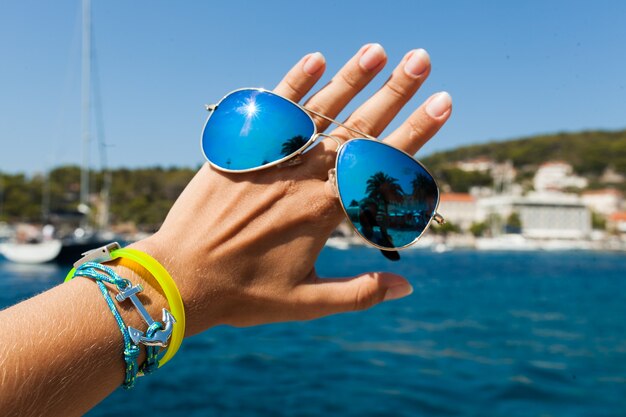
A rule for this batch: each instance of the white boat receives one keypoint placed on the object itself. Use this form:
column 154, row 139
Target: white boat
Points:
column 338, row 242
column 512, row 242
column 31, row 253
column 440, row 248
column 563, row 245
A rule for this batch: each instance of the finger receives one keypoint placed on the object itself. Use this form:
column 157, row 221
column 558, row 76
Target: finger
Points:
column 351, row 79
column 422, row 124
column 332, row 296
column 302, row 77
column 377, row 112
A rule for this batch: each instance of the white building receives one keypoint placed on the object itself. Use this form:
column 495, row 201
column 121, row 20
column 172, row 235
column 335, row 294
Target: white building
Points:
column 458, row 209
column 617, row 222
column 610, row 176
column 557, row 176
column 480, row 164
column 605, row 202
column 543, row 215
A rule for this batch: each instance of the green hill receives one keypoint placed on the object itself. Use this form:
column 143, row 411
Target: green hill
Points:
column 589, row 152
column 144, row 195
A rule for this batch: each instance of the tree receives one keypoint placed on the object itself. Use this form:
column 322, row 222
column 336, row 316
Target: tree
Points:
column 445, row 229
column 384, row 189
column 513, row 223
column 598, row 222
column 293, row 145
column 423, row 186
column 479, row 228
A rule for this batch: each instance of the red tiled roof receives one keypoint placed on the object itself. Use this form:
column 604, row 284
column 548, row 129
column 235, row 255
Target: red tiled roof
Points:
column 552, row 163
column 619, row 216
column 611, row 191
column 457, row 197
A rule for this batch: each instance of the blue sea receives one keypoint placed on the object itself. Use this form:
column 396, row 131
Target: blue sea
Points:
column 484, row 334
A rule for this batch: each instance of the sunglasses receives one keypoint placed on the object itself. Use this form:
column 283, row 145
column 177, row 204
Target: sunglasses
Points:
column 388, row 196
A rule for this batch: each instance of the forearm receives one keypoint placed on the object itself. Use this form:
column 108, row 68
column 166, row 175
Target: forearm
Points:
column 61, row 351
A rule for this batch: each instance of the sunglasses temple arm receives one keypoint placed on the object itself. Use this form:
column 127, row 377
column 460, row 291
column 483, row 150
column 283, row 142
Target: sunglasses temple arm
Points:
column 391, row 255
column 358, row 132
column 212, row 107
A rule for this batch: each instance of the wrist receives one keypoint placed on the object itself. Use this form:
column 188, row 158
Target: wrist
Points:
column 194, row 305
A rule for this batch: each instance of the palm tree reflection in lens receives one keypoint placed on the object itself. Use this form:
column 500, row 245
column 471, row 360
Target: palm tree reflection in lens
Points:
column 293, row 145
column 386, row 215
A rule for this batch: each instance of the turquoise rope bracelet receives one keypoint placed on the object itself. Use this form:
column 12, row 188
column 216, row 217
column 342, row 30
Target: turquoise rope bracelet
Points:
column 102, row 273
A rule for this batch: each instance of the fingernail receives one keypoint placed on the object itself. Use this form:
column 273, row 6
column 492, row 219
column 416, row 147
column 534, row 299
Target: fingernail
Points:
column 313, row 63
column 372, row 57
column 398, row 291
column 439, row 105
column 417, row 63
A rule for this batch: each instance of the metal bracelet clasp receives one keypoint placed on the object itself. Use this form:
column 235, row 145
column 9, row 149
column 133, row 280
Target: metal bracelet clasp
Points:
column 160, row 337
column 99, row 255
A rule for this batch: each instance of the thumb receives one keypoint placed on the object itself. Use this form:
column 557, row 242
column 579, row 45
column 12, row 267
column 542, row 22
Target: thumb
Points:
column 338, row 295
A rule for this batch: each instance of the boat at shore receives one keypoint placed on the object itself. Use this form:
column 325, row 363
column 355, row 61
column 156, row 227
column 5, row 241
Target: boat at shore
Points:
column 61, row 251
column 508, row 242
column 31, row 252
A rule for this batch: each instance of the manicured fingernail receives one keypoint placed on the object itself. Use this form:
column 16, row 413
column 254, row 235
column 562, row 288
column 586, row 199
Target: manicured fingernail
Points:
column 398, row 291
column 439, row 105
column 372, row 57
column 313, row 63
column 417, row 63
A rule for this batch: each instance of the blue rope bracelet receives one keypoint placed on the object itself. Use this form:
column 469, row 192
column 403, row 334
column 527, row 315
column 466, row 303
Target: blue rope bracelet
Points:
column 102, row 273
column 152, row 352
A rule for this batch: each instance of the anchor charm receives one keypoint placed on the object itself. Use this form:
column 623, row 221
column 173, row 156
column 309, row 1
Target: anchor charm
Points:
column 160, row 337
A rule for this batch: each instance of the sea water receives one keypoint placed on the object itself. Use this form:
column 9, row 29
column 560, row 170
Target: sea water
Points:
column 483, row 334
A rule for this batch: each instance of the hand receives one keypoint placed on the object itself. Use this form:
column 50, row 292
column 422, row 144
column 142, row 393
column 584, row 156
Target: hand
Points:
column 242, row 247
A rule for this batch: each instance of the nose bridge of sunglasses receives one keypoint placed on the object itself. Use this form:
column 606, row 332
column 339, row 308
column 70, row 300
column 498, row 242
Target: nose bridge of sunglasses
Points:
column 335, row 139
column 210, row 107
column 330, row 119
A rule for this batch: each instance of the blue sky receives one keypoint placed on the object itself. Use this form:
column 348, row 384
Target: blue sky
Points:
column 513, row 68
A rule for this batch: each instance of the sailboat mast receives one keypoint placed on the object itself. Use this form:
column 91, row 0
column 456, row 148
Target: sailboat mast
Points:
column 86, row 113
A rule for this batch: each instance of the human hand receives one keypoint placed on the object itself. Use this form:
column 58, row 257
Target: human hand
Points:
column 242, row 246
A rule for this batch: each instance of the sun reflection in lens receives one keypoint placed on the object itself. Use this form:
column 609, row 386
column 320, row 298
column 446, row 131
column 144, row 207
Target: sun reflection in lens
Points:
column 250, row 109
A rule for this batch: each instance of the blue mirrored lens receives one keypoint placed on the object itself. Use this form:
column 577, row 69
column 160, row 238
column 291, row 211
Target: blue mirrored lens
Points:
column 252, row 128
column 388, row 196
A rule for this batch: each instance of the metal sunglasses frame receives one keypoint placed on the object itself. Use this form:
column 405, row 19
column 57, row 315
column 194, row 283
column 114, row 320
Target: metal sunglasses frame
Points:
column 434, row 216
column 293, row 159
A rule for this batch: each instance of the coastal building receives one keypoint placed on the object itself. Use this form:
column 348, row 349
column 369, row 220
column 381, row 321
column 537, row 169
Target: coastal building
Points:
column 480, row 164
column 458, row 209
column 557, row 176
column 547, row 215
column 617, row 222
column 605, row 202
column 610, row 176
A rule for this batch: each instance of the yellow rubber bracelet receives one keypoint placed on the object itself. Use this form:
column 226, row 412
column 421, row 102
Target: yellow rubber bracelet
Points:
column 169, row 288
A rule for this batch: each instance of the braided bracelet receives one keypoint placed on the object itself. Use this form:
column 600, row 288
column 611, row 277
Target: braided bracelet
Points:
column 158, row 333
column 101, row 273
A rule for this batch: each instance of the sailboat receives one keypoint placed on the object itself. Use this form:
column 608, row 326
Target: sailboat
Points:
column 68, row 249
column 31, row 253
